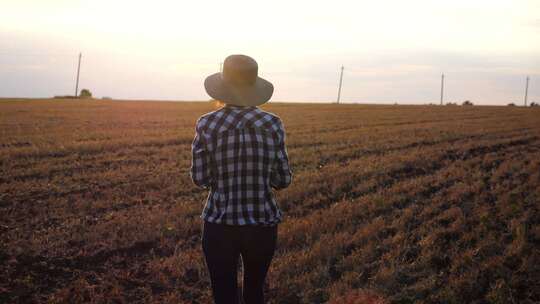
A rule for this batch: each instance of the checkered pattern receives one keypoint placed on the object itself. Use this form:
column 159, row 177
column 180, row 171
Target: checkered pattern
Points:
column 239, row 154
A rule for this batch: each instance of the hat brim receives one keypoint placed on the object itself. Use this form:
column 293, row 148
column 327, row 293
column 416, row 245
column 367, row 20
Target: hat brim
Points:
column 253, row 95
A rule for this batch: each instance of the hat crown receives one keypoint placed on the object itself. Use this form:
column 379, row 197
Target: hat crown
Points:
column 239, row 83
column 240, row 70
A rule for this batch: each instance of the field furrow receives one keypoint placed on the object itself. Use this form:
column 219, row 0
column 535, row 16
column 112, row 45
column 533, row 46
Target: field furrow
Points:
column 419, row 204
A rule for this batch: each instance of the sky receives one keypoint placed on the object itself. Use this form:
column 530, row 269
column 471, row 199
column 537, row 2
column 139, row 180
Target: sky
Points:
column 392, row 50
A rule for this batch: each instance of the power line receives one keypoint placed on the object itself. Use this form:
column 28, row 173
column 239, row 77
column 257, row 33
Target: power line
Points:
column 526, row 89
column 340, row 82
column 78, row 73
column 442, row 88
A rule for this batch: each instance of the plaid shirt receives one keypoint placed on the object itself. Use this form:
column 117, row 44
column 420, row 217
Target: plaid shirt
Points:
column 239, row 154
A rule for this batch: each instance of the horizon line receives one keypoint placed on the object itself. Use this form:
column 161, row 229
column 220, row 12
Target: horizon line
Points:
column 389, row 103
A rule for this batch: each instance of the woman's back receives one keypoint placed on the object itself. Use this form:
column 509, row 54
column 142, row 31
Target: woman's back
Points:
column 240, row 154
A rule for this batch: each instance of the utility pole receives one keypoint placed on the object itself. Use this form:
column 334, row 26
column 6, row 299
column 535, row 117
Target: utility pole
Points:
column 526, row 89
column 340, row 82
column 442, row 88
column 78, row 73
column 221, row 67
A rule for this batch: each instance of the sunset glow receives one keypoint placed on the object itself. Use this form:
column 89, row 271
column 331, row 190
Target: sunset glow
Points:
column 391, row 50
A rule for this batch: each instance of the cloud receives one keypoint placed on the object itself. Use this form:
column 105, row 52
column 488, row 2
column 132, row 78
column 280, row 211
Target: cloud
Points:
column 382, row 75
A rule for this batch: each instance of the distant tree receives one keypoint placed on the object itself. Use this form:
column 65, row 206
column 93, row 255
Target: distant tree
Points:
column 451, row 104
column 85, row 93
column 106, row 98
column 467, row 103
column 64, row 96
column 534, row 104
column 511, row 104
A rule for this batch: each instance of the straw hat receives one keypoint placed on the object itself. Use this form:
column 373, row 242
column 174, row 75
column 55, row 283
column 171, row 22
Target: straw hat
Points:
column 239, row 83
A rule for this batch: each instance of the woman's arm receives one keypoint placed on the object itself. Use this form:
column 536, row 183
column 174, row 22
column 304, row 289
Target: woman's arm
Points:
column 281, row 175
column 200, row 163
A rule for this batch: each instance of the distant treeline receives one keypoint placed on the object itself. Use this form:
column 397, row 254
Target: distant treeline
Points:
column 65, row 97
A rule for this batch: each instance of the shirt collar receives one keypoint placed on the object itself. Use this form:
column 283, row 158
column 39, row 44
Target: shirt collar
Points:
column 235, row 107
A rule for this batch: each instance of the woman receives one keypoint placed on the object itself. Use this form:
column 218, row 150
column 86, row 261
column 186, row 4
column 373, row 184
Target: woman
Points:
column 239, row 154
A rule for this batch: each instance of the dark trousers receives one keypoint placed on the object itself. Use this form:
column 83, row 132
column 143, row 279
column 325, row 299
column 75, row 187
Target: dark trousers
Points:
column 222, row 246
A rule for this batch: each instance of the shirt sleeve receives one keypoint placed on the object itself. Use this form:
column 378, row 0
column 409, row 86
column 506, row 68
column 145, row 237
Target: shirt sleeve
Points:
column 281, row 175
column 200, row 163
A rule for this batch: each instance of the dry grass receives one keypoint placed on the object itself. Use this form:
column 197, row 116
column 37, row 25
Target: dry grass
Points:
column 411, row 204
